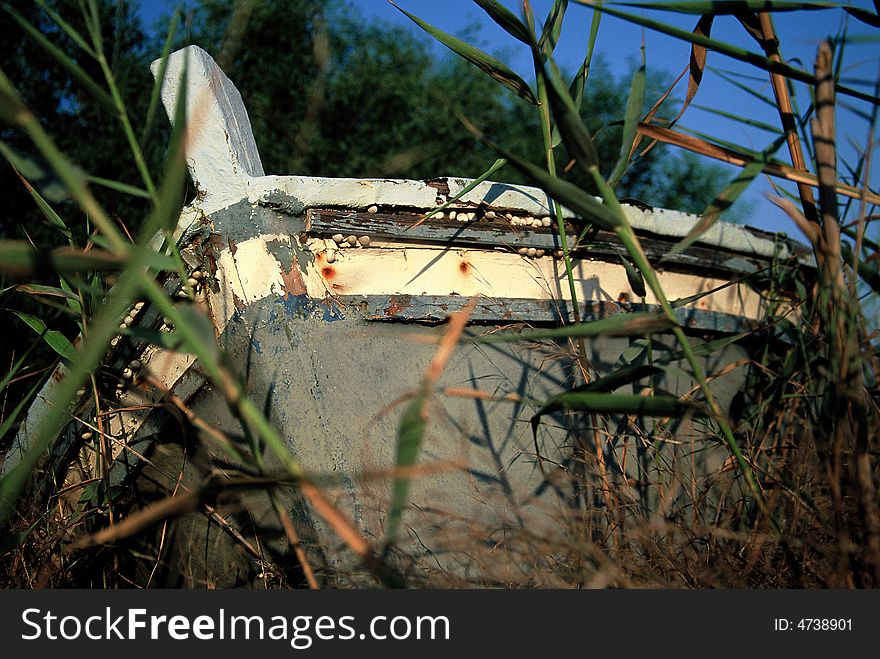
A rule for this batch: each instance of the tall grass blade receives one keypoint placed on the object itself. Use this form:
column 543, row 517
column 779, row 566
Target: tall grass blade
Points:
column 44, row 206
column 624, row 324
column 483, row 61
column 68, row 29
column 498, row 164
column 633, row 276
column 75, row 70
column 747, row 121
column 863, row 15
column 634, row 104
column 414, row 419
column 739, row 159
column 37, row 173
column 410, row 434
column 552, row 26
column 726, row 198
column 575, row 135
column 695, row 68
column 603, row 403
column 576, row 88
column 160, row 77
column 729, row 50
column 568, row 194
column 725, row 7
column 124, row 188
column 732, row 78
column 20, row 258
column 506, row 19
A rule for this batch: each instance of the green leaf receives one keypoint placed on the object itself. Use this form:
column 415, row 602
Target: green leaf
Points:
column 160, row 77
column 75, row 70
column 500, row 72
column 604, row 403
column 724, row 7
column 575, row 135
column 633, row 276
column 410, row 434
column 552, row 27
column 619, row 378
column 40, row 289
column 748, row 121
column 124, row 188
column 73, row 300
column 634, row 105
column 506, row 19
column 733, row 79
column 53, row 338
column 34, row 172
column 75, row 36
column 735, row 52
column 576, row 88
column 167, row 340
column 864, row 16
column 726, row 198
column 498, row 164
column 623, row 324
column 199, row 329
column 603, row 385
column 20, row 258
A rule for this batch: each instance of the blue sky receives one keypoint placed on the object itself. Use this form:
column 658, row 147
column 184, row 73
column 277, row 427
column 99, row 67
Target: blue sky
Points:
column 619, row 42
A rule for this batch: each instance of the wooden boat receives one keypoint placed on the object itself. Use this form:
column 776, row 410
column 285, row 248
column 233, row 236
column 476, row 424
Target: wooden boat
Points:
column 329, row 297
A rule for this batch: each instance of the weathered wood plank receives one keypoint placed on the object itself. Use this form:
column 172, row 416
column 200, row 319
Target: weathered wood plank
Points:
column 499, row 233
column 436, row 308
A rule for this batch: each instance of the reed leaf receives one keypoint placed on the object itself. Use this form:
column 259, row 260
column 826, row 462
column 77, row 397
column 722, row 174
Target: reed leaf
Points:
column 75, row 70
column 604, row 403
column 552, row 26
column 414, row 420
column 505, row 18
column 575, row 135
column 21, row 258
column 623, row 324
column 633, row 276
column 483, row 61
column 155, row 93
column 634, row 104
column 729, row 50
column 53, row 338
column 726, row 198
column 727, row 7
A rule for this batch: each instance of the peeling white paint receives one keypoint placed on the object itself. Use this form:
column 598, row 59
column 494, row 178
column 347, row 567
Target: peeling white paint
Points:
column 247, row 275
column 220, row 149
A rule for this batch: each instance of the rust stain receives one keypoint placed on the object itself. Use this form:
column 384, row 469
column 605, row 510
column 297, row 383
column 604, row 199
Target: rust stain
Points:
column 237, row 301
column 464, row 267
column 328, row 272
column 293, row 281
column 398, row 304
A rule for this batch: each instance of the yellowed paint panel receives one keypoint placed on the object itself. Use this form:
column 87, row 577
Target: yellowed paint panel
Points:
column 386, row 269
